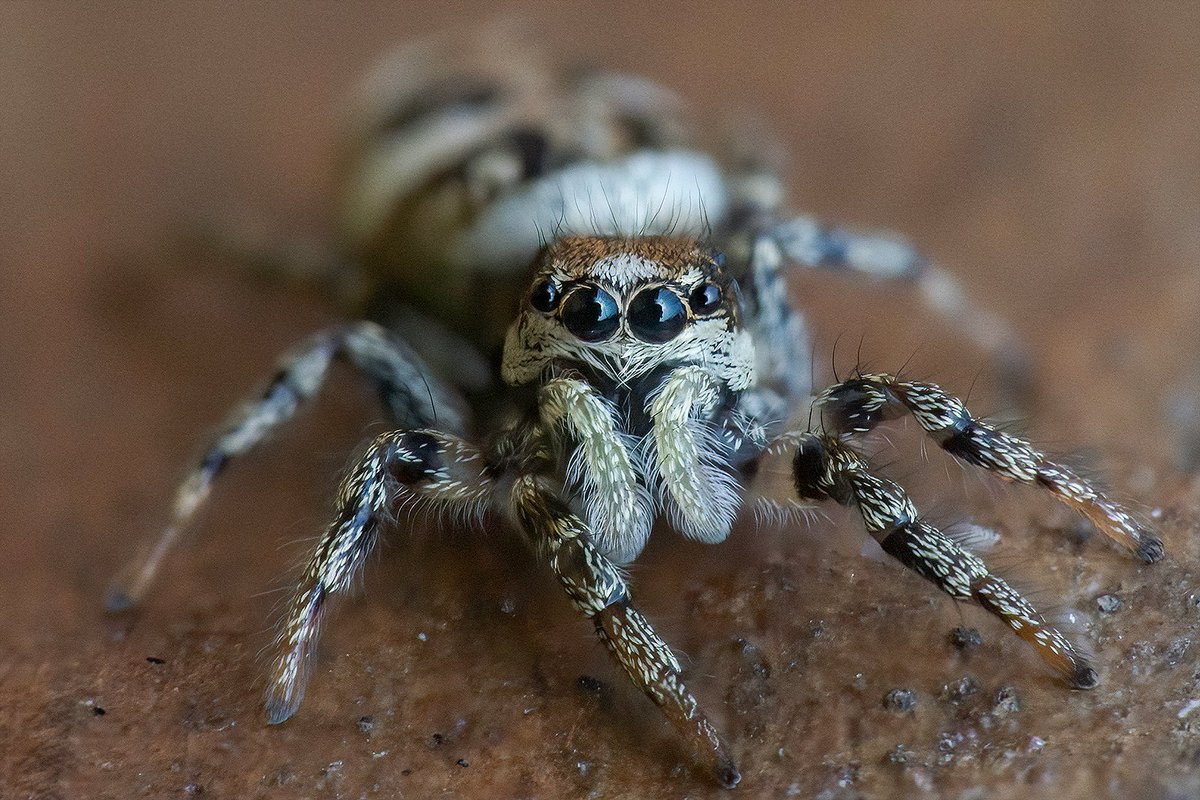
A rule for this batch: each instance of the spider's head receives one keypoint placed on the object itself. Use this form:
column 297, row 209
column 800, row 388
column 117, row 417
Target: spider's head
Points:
column 628, row 306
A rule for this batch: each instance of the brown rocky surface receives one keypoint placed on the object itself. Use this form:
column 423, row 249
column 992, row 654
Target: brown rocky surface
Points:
column 1045, row 154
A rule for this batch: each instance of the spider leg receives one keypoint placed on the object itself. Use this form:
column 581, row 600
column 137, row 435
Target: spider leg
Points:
column 880, row 255
column 687, row 452
column 413, row 397
column 405, row 467
column 597, row 588
column 857, row 405
column 826, row 467
column 619, row 511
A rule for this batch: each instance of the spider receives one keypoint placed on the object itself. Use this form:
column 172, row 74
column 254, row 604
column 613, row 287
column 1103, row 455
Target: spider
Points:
column 654, row 357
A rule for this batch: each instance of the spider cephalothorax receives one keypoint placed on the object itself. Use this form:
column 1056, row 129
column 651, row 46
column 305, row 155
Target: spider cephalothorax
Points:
column 654, row 355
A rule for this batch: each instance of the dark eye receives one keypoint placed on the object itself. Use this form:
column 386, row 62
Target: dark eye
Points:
column 656, row 314
column 705, row 298
column 544, row 296
column 591, row 313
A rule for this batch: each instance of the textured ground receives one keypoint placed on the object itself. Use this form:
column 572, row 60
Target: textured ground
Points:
column 1048, row 158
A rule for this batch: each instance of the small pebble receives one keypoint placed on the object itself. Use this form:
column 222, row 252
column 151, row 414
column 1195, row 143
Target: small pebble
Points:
column 1007, row 701
column 1177, row 651
column 590, row 684
column 960, row 690
column 965, row 639
column 900, row 700
column 366, row 724
column 1108, row 603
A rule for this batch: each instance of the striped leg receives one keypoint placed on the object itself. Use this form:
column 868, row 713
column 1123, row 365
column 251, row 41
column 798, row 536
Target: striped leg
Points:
column 597, row 589
column 413, row 397
column 399, row 469
column 825, row 467
column 859, row 404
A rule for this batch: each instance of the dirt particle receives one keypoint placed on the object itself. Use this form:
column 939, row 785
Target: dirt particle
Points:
column 899, row 755
column 1007, row 701
column 590, row 684
column 366, row 723
column 1109, row 603
column 961, row 690
column 155, row 660
column 462, row 762
column 435, row 741
column 98, row 711
column 1176, row 651
column 900, row 700
column 965, row 639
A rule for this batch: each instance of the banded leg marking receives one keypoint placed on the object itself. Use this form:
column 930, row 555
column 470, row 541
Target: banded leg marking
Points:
column 825, row 467
column 413, row 397
column 398, row 468
column 857, row 405
column 597, row 588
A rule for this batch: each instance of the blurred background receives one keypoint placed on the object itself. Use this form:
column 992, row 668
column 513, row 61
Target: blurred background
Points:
column 1046, row 154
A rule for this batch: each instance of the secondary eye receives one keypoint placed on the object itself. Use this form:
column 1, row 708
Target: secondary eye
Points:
column 705, row 298
column 656, row 314
column 545, row 296
column 591, row 313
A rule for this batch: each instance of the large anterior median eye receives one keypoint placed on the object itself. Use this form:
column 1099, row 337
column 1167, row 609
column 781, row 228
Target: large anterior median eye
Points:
column 590, row 313
column 656, row 314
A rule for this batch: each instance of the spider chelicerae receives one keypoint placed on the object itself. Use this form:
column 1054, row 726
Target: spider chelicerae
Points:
column 653, row 360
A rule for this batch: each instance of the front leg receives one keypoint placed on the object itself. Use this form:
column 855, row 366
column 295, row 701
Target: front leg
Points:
column 399, row 469
column 597, row 589
column 413, row 396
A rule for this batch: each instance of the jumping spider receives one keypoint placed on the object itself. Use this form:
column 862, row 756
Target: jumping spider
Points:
column 653, row 360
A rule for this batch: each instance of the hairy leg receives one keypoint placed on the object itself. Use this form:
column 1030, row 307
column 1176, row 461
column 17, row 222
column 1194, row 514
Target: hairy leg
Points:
column 687, row 453
column 413, row 397
column 401, row 468
column 597, row 589
column 860, row 403
column 825, row 467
